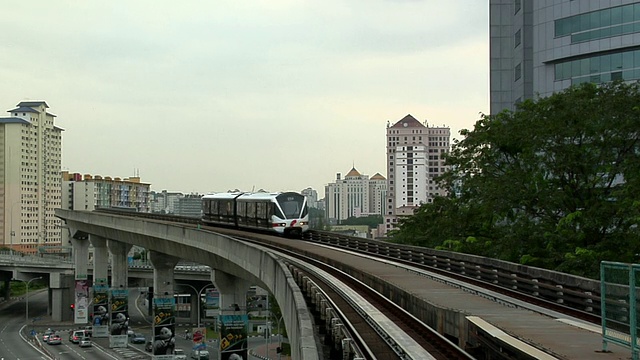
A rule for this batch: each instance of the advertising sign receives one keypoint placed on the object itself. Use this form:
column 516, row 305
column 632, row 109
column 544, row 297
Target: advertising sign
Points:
column 212, row 303
column 233, row 336
column 100, row 319
column 81, row 304
column 119, row 317
column 164, row 328
column 199, row 338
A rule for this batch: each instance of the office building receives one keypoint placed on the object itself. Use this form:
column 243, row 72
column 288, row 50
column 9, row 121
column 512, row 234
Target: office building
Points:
column 312, row 198
column 356, row 195
column 30, row 146
column 165, row 202
column 189, row 205
column 415, row 157
column 542, row 47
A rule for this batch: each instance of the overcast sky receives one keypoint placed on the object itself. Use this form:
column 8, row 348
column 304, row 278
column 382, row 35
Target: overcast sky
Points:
column 203, row 96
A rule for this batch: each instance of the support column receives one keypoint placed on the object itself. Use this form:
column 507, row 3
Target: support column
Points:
column 7, row 290
column 196, row 308
column 233, row 290
column 119, row 265
column 100, row 259
column 164, row 326
column 80, row 257
column 163, row 267
column 232, row 314
column 61, row 294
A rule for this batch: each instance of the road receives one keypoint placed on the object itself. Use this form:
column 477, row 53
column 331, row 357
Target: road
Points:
column 15, row 342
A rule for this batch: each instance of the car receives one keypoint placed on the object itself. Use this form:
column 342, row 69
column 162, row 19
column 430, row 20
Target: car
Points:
column 46, row 335
column 76, row 335
column 85, row 342
column 200, row 354
column 179, row 354
column 138, row 338
column 88, row 330
column 54, row 339
column 148, row 346
column 130, row 331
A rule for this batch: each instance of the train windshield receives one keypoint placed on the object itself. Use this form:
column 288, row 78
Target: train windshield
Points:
column 292, row 204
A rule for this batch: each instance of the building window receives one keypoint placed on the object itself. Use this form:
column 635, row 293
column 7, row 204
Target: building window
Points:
column 623, row 65
column 517, row 4
column 517, row 38
column 518, row 72
column 600, row 24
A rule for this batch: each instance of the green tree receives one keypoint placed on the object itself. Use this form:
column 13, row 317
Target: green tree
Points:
column 553, row 184
column 316, row 219
column 372, row 221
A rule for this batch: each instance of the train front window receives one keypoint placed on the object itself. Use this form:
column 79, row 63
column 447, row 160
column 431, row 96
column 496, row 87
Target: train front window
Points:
column 291, row 205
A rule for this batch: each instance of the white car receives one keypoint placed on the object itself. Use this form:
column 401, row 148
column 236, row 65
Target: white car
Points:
column 85, row 342
column 200, row 354
column 179, row 354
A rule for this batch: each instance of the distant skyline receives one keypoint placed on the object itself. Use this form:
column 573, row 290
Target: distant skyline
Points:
column 211, row 96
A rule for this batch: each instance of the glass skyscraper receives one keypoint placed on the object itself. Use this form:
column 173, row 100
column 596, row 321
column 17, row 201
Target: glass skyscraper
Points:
column 538, row 47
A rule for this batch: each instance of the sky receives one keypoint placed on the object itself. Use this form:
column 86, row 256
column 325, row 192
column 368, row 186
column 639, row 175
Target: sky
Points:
column 208, row 96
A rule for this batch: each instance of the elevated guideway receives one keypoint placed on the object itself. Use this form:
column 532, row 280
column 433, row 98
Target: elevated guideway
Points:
column 463, row 314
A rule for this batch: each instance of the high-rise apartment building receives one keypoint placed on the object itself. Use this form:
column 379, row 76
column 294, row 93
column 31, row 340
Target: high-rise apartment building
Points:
column 30, row 146
column 356, row 195
column 541, row 47
column 89, row 192
column 415, row 156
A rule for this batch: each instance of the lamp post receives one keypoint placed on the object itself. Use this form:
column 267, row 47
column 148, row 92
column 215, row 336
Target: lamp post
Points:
column 26, row 316
column 279, row 338
column 199, row 294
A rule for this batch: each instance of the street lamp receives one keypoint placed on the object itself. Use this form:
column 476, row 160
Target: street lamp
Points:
column 199, row 294
column 26, row 318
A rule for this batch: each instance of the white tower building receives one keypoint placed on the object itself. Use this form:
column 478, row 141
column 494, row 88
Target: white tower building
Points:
column 30, row 146
column 354, row 196
column 415, row 156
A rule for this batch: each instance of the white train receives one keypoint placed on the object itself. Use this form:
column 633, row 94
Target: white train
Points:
column 284, row 213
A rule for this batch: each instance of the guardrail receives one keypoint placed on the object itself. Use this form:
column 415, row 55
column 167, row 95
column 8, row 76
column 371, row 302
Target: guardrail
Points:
column 575, row 292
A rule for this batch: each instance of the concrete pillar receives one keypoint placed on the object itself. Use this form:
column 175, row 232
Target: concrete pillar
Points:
column 80, row 257
column 195, row 302
column 233, row 290
column 233, row 298
column 7, row 289
column 100, row 259
column 119, row 265
column 61, row 295
column 163, row 265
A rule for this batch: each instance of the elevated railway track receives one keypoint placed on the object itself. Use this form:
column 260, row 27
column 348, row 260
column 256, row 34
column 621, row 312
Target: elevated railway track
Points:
column 511, row 284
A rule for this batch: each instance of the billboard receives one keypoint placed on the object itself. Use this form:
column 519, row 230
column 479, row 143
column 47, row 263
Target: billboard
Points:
column 211, row 303
column 233, row 336
column 164, row 327
column 119, row 319
column 81, row 304
column 100, row 318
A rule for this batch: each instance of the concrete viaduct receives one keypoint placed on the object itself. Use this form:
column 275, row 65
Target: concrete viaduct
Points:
column 235, row 266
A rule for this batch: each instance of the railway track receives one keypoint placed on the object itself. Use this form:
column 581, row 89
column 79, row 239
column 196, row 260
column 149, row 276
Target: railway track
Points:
column 565, row 294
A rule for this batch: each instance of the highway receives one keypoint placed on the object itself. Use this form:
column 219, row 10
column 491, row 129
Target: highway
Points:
column 15, row 342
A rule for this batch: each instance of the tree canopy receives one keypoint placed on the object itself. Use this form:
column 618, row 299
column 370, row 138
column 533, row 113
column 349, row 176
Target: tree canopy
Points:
column 555, row 183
